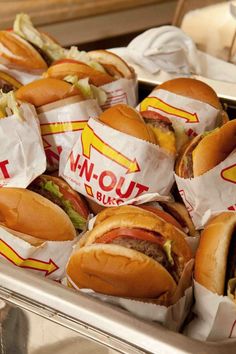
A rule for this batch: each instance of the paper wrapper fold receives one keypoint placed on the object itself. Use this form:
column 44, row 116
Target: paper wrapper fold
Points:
column 193, row 116
column 212, row 192
column 171, row 317
column 23, row 77
column 121, row 91
column 61, row 125
column 22, row 156
column 113, row 168
column 47, row 259
column 215, row 316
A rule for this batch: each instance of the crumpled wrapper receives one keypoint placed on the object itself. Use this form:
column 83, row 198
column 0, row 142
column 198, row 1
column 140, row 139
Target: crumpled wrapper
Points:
column 121, row 91
column 215, row 316
column 21, row 76
column 61, row 125
column 165, row 48
column 112, row 168
column 211, row 192
column 22, row 156
column 193, row 116
column 171, row 317
column 48, row 258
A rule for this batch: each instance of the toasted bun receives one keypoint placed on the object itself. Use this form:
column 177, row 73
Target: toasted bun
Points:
column 17, row 52
column 212, row 253
column 127, row 120
column 79, row 69
column 215, row 147
column 113, row 64
column 34, row 215
column 192, row 88
column 115, row 270
column 124, row 209
column 141, row 209
column 44, row 91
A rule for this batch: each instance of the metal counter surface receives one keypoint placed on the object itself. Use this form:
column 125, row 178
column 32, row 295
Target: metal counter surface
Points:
column 91, row 318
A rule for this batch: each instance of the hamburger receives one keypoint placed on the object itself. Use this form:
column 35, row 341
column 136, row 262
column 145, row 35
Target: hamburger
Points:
column 33, row 218
column 206, row 151
column 17, row 53
column 197, row 90
column 130, row 254
column 100, row 67
column 59, row 192
column 47, row 90
column 128, row 120
column 215, row 264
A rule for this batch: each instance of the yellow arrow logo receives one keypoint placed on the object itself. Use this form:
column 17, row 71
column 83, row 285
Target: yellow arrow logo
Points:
column 9, row 253
column 90, row 139
column 61, row 127
column 162, row 106
column 229, row 173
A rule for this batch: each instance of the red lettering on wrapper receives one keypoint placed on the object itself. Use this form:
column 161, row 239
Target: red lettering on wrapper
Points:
column 3, row 168
column 107, row 200
column 105, row 176
column 73, row 163
column 86, row 170
column 186, row 202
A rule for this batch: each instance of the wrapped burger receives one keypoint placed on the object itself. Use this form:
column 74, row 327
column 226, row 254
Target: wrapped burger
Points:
column 22, row 156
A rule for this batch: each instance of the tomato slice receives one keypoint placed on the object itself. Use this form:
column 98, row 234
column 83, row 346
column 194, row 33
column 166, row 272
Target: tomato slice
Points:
column 139, row 234
column 154, row 115
column 77, row 202
column 162, row 214
column 61, row 61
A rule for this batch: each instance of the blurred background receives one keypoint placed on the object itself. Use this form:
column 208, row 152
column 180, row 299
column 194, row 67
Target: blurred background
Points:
column 93, row 24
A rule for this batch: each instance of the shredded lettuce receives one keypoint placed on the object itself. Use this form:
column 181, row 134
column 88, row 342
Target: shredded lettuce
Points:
column 25, row 29
column 80, row 55
column 23, row 26
column 9, row 105
column 89, row 91
column 52, row 188
column 167, row 249
column 78, row 221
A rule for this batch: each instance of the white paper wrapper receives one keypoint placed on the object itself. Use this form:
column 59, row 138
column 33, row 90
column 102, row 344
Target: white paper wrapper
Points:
column 194, row 116
column 212, row 192
column 49, row 259
column 21, row 76
column 121, row 91
column 22, row 156
column 171, row 317
column 112, row 168
column 61, row 126
column 216, row 316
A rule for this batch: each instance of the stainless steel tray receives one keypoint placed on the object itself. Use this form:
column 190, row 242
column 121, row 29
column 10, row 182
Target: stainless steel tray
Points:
column 101, row 322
